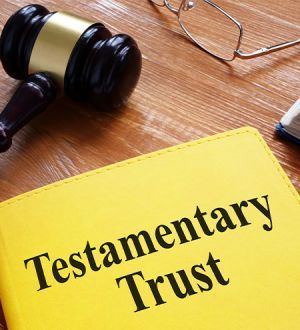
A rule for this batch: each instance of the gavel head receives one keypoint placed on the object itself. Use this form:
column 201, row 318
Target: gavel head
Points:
column 78, row 57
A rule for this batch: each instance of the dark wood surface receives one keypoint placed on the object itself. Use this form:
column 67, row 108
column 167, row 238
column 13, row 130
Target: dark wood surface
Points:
column 183, row 94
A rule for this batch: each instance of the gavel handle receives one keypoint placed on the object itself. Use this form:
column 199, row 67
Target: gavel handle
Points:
column 30, row 99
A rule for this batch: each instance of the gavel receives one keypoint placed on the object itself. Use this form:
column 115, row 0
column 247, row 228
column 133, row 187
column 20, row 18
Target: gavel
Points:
column 57, row 53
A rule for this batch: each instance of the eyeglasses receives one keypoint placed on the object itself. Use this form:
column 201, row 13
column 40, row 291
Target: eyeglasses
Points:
column 214, row 30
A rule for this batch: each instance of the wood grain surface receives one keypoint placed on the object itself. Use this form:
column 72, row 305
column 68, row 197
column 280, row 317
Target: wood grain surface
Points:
column 183, row 94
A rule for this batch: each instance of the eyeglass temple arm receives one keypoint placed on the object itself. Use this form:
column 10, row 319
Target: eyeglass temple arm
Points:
column 266, row 50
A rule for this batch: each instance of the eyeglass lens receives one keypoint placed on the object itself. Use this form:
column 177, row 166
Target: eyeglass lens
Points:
column 210, row 28
column 173, row 3
column 158, row 2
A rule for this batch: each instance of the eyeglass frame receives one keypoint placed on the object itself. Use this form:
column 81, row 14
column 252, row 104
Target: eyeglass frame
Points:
column 237, row 53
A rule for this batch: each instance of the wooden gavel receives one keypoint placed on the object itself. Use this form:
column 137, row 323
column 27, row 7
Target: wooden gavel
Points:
column 60, row 53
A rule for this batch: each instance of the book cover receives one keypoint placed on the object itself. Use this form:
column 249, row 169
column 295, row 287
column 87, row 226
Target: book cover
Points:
column 204, row 235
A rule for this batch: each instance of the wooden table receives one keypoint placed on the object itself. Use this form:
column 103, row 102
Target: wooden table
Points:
column 183, row 94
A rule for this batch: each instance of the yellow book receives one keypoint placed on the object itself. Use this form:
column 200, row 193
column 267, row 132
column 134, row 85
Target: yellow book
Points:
column 204, row 235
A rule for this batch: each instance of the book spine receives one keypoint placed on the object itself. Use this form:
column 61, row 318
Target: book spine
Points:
column 8, row 297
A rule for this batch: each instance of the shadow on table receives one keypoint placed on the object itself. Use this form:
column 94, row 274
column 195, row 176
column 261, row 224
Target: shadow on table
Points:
column 2, row 320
